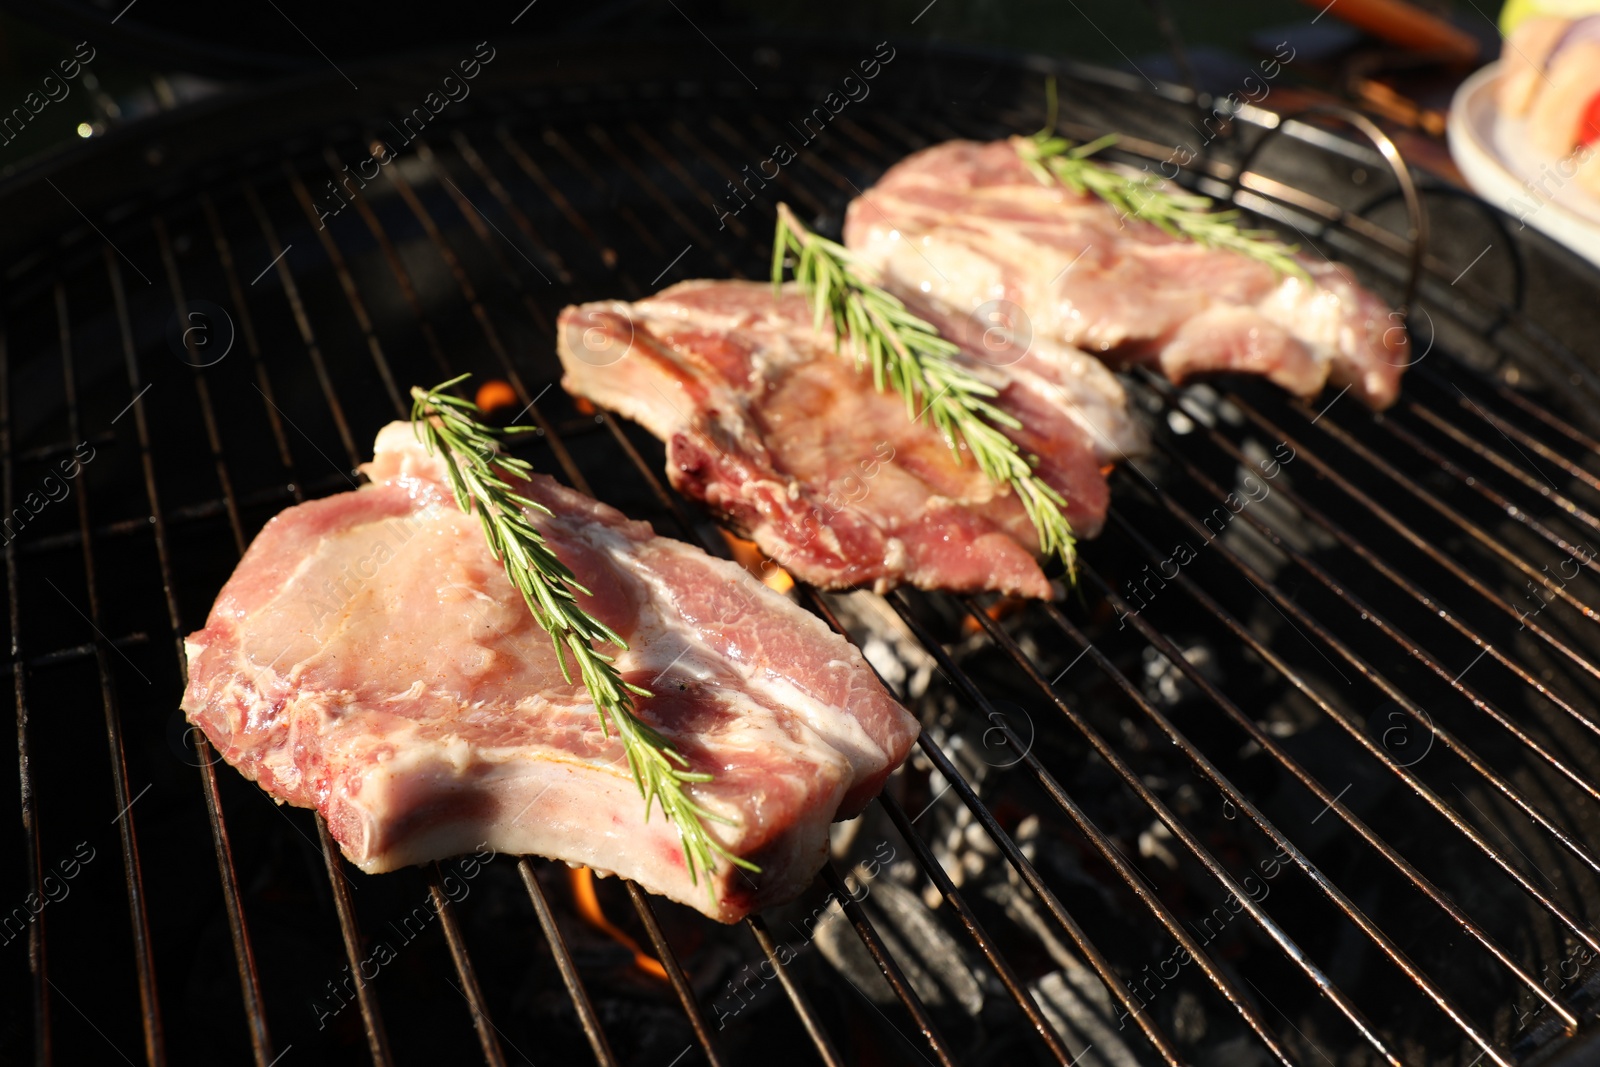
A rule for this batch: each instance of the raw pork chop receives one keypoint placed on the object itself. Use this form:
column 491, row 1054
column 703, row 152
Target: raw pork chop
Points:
column 370, row 659
column 783, row 436
column 962, row 225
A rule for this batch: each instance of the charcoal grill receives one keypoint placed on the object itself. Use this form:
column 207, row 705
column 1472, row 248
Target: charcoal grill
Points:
column 1325, row 792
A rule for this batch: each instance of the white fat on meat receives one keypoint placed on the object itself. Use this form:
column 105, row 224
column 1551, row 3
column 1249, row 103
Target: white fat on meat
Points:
column 792, row 444
column 957, row 226
column 371, row 660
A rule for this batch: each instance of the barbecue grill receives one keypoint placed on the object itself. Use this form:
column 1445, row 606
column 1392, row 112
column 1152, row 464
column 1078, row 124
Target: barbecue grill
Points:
column 1322, row 788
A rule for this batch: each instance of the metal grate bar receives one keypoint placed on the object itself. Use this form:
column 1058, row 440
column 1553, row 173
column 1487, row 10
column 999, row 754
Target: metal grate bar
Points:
column 350, row 933
column 591, row 240
column 133, row 875
column 687, row 229
column 811, row 161
column 684, row 178
column 569, row 971
column 1455, row 744
column 1003, row 970
column 669, row 959
column 1024, row 1000
column 488, row 1033
column 1423, row 544
column 1324, row 884
column 371, row 1015
column 578, row 162
column 59, row 656
column 1024, row 868
column 675, row 975
column 207, row 414
column 559, row 949
column 739, row 143
column 1223, row 876
column 1102, row 842
column 1265, row 740
column 1513, row 434
column 1355, row 730
column 297, row 308
column 886, row 963
column 698, row 236
column 402, row 277
column 519, row 218
column 1047, row 896
column 869, row 142
column 58, row 449
column 797, row 996
column 366, row 996
column 247, row 330
column 1546, row 416
column 1417, row 593
column 552, row 438
column 579, row 995
column 1499, row 500
column 490, row 333
column 38, row 960
column 476, row 220
column 564, row 456
column 358, row 307
column 1488, row 773
column 817, row 162
column 1371, row 615
column 244, row 953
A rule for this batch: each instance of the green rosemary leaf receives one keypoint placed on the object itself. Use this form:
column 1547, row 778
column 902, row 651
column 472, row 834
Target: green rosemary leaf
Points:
column 908, row 356
column 481, row 479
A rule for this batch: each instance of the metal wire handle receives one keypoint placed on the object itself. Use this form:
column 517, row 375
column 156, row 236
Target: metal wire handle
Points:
column 1418, row 232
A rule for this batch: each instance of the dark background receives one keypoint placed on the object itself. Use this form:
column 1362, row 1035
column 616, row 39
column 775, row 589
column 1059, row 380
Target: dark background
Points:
column 158, row 55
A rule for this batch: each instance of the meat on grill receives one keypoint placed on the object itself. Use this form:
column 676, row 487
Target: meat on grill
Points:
column 371, row 660
column 784, row 437
column 964, row 232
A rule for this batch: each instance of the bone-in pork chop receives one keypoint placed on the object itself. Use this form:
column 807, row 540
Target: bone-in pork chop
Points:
column 370, row 659
column 791, row 443
column 963, row 228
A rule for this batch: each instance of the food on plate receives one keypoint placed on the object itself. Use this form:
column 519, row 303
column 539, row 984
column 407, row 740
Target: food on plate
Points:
column 1516, row 12
column 1525, row 55
column 371, row 659
column 963, row 227
column 840, row 483
column 1551, row 78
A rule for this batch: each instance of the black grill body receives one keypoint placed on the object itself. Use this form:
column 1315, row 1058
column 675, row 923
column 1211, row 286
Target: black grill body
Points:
column 1326, row 793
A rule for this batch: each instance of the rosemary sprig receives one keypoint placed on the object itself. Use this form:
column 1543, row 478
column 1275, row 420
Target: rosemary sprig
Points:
column 1055, row 159
column 908, row 356
column 479, row 474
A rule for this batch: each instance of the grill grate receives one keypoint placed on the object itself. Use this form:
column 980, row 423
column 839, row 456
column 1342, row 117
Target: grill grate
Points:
column 1433, row 893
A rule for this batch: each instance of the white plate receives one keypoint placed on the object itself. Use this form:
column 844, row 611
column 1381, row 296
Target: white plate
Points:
column 1497, row 161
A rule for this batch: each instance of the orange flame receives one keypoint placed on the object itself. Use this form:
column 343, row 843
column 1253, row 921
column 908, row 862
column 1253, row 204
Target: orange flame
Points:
column 748, row 555
column 583, row 894
column 1002, row 608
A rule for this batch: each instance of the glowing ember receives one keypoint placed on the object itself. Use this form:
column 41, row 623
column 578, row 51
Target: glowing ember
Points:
column 495, row 394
